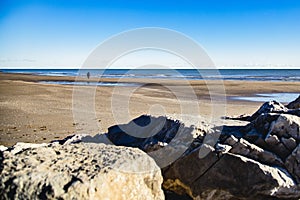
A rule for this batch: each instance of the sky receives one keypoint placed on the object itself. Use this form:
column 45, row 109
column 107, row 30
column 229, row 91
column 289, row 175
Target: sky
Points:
column 235, row 34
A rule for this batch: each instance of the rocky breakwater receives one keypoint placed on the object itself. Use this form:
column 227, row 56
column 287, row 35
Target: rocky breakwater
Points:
column 257, row 161
column 260, row 160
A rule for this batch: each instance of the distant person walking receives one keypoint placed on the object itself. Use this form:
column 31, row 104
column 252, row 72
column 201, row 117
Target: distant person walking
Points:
column 88, row 75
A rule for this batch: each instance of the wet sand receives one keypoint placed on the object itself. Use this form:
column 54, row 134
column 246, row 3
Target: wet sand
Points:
column 35, row 112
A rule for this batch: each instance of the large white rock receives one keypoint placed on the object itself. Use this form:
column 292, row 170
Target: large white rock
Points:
column 79, row 171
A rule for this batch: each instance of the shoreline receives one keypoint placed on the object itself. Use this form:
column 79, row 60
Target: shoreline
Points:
column 237, row 87
column 37, row 112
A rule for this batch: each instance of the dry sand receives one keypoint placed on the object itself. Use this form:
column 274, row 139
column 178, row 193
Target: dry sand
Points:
column 34, row 112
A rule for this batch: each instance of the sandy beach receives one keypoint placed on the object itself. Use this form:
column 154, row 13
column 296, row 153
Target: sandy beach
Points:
column 37, row 112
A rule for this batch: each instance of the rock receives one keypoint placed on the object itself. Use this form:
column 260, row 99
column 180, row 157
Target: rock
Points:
column 295, row 112
column 3, row 148
column 244, row 148
column 236, row 131
column 286, row 126
column 263, row 122
column 272, row 140
column 263, row 155
column 274, row 132
column 259, row 128
column 148, row 132
column 294, row 104
column 289, row 143
column 285, row 193
column 192, row 166
column 226, row 176
column 1, row 161
column 72, row 139
column 21, row 146
column 79, row 171
column 259, row 160
column 269, row 107
column 77, row 138
column 231, row 140
column 292, row 164
column 143, row 131
column 253, row 136
column 222, row 148
column 155, row 147
column 274, row 145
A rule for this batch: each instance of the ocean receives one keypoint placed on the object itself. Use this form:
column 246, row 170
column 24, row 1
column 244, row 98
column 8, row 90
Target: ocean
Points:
column 292, row 75
column 190, row 74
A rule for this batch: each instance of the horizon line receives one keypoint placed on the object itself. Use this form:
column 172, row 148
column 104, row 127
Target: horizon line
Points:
column 180, row 68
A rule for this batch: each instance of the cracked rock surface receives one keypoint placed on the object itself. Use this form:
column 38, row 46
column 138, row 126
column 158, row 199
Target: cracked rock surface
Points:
column 78, row 171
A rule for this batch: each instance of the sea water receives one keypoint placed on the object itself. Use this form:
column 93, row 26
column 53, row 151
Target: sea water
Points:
column 289, row 75
column 189, row 74
column 280, row 97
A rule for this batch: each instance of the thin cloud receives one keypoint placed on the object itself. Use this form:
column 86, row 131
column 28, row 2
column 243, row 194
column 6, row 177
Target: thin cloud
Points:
column 17, row 60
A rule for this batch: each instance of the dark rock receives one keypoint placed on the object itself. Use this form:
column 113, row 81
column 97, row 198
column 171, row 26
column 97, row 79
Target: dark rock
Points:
column 143, row 131
column 244, row 148
column 289, row 143
column 293, row 164
column 151, row 134
column 274, row 145
column 286, row 126
column 269, row 107
column 225, row 176
column 294, row 104
column 263, row 122
column 170, row 195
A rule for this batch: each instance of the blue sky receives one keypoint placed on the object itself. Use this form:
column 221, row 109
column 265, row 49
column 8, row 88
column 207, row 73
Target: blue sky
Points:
column 61, row 33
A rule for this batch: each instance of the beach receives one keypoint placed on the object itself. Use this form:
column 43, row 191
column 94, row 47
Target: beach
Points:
column 39, row 112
